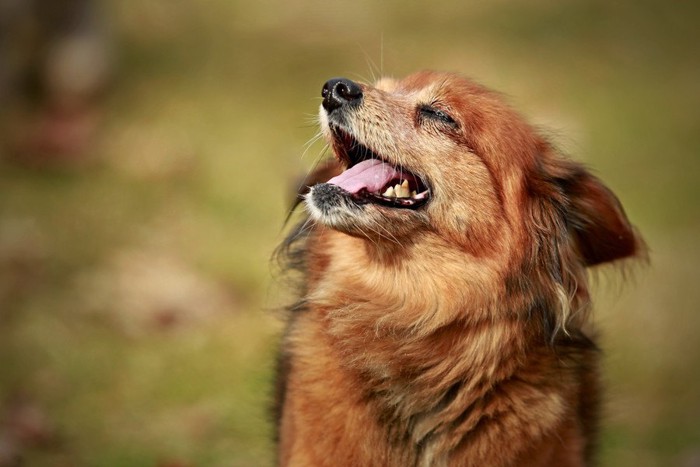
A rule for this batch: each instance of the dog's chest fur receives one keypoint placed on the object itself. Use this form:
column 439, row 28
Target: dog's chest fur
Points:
column 430, row 394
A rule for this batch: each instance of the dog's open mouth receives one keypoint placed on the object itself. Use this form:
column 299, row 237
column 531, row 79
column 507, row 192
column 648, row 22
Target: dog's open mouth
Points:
column 369, row 179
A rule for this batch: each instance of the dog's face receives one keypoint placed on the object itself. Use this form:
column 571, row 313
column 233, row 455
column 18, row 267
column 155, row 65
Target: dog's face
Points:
column 435, row 134
column 438, row 153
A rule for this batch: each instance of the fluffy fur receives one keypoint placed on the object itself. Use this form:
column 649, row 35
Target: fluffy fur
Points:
column 456, row 333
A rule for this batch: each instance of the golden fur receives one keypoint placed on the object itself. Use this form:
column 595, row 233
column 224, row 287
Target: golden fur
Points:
column 453, row 334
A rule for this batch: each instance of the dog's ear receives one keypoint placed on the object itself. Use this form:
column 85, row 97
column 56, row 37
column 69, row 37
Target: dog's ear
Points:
column 599, row 223
column 592, row 213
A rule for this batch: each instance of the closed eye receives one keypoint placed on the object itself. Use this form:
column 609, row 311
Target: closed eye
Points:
column 435, row 114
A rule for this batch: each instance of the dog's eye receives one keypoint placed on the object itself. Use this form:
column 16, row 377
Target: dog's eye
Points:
column 432, row 113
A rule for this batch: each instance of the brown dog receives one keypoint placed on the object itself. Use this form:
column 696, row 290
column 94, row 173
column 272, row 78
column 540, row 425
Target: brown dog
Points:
column 444, row 295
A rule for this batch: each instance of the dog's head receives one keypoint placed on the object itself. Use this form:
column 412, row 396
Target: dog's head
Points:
column 438, row 153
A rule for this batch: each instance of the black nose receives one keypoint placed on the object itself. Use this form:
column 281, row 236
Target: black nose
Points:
column 340, row 91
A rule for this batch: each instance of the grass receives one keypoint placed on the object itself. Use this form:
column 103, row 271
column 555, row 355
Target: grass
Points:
column 200, row 142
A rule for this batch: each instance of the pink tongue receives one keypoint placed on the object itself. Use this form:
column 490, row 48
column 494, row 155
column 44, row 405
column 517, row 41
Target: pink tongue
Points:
column 371, row 174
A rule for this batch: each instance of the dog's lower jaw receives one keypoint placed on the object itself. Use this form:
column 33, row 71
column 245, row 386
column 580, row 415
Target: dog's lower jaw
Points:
column 385, row 228
column 328, row 205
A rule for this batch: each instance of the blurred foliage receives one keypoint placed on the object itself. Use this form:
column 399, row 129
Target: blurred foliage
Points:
column 137, row 322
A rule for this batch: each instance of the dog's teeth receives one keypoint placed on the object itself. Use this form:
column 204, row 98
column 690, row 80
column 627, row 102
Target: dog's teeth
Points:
column 402, row 190
column 413, row 194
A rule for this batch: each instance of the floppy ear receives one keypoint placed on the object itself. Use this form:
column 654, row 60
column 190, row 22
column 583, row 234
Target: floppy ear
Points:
column 596, row 218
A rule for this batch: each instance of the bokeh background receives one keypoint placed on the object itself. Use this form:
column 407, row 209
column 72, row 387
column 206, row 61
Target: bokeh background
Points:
column 148, row 153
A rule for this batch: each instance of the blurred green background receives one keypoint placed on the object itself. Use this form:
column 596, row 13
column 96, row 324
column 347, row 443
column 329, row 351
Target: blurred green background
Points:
column 137, row 304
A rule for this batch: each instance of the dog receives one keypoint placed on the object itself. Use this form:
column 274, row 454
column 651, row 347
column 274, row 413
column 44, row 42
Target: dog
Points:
column 444, row 300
